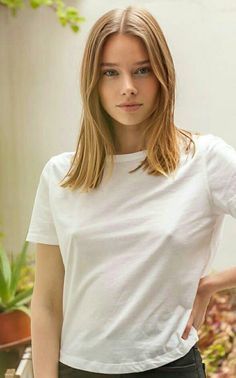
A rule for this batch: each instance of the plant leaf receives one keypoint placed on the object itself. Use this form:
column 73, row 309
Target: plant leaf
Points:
column 21, row 298
column 5, row 275
column 18, row 264
column 75, row 28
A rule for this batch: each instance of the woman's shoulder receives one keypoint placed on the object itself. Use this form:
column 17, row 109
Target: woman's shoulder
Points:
column 212, row 146
column 205, row 143
column 58, row 165
column 62, row 158
column 208, row 139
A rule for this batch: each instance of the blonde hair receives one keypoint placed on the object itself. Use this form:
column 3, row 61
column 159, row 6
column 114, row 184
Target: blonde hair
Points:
column 96, row 139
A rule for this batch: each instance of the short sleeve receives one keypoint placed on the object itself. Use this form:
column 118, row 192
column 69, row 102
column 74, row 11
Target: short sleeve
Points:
column 41, row 227
column 220, row 159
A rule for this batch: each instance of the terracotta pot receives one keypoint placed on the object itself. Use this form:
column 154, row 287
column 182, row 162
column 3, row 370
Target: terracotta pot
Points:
column 15, row 326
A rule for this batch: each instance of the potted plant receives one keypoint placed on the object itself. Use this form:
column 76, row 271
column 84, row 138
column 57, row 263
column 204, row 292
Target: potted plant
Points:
column 16, row 287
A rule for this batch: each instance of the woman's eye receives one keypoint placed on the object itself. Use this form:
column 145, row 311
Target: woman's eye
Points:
column 147, row 69
column 144, row 69
column 105, row 72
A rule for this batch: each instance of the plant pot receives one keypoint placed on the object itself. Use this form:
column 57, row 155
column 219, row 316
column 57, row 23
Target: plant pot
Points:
column 15, row 326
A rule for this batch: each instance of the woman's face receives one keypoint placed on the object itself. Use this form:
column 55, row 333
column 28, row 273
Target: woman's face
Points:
column 127, row 80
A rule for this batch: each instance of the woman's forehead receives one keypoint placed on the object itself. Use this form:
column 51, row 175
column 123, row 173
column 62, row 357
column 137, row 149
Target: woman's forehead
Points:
column 117, row 46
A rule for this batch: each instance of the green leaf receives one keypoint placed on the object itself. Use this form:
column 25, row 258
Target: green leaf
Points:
column 5, row 275
column 63, row 21
column 71, row 11
column 61, row 13
column 10, row 279
column 35, row 3
column 17, row 266
column 34, row 6
column 21, row 298
column 75, row 28
column 4, row 289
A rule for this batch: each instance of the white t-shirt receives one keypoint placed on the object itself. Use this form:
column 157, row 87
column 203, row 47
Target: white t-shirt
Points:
column 134, row 250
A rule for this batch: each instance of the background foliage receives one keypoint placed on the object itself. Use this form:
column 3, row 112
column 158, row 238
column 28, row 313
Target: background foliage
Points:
column 217, row 336
column 66, row 15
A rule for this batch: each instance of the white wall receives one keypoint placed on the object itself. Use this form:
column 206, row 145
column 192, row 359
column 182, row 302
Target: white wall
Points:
column 40, row 100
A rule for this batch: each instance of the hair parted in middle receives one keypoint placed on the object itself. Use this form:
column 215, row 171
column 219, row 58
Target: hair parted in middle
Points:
column 161, row 138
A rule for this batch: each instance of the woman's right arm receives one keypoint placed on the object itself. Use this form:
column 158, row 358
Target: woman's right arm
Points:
column 47, row 310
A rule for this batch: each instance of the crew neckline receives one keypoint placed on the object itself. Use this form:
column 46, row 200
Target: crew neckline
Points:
column 129, row 157
column 143, row 153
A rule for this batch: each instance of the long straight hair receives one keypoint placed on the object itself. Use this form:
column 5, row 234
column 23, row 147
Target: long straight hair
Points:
column 161, row 138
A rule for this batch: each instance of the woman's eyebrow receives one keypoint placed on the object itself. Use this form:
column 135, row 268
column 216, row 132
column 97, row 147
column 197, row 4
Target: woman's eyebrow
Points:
column 117, row 65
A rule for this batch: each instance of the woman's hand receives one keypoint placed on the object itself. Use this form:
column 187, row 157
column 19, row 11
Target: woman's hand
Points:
column 200, row 305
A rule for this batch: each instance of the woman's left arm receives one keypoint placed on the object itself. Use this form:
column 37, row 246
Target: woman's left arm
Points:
column 218, row 281
column 220, row 163
column 208, row 285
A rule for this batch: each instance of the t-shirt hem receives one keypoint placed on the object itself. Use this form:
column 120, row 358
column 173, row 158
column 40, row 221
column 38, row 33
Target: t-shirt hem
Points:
column 128, row 367
column 34, row 238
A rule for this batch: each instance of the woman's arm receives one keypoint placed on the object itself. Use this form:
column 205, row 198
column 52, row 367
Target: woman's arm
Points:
column 46, row 311
column 208, row 285
column 218, row 281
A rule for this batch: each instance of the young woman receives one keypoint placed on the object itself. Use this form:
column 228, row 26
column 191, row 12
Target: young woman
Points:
column 127, row 225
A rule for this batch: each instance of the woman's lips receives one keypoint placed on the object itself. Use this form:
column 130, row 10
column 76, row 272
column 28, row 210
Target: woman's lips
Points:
column 130, row 108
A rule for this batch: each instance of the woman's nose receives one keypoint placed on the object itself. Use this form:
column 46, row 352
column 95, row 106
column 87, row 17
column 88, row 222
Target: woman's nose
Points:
column 128, row 86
